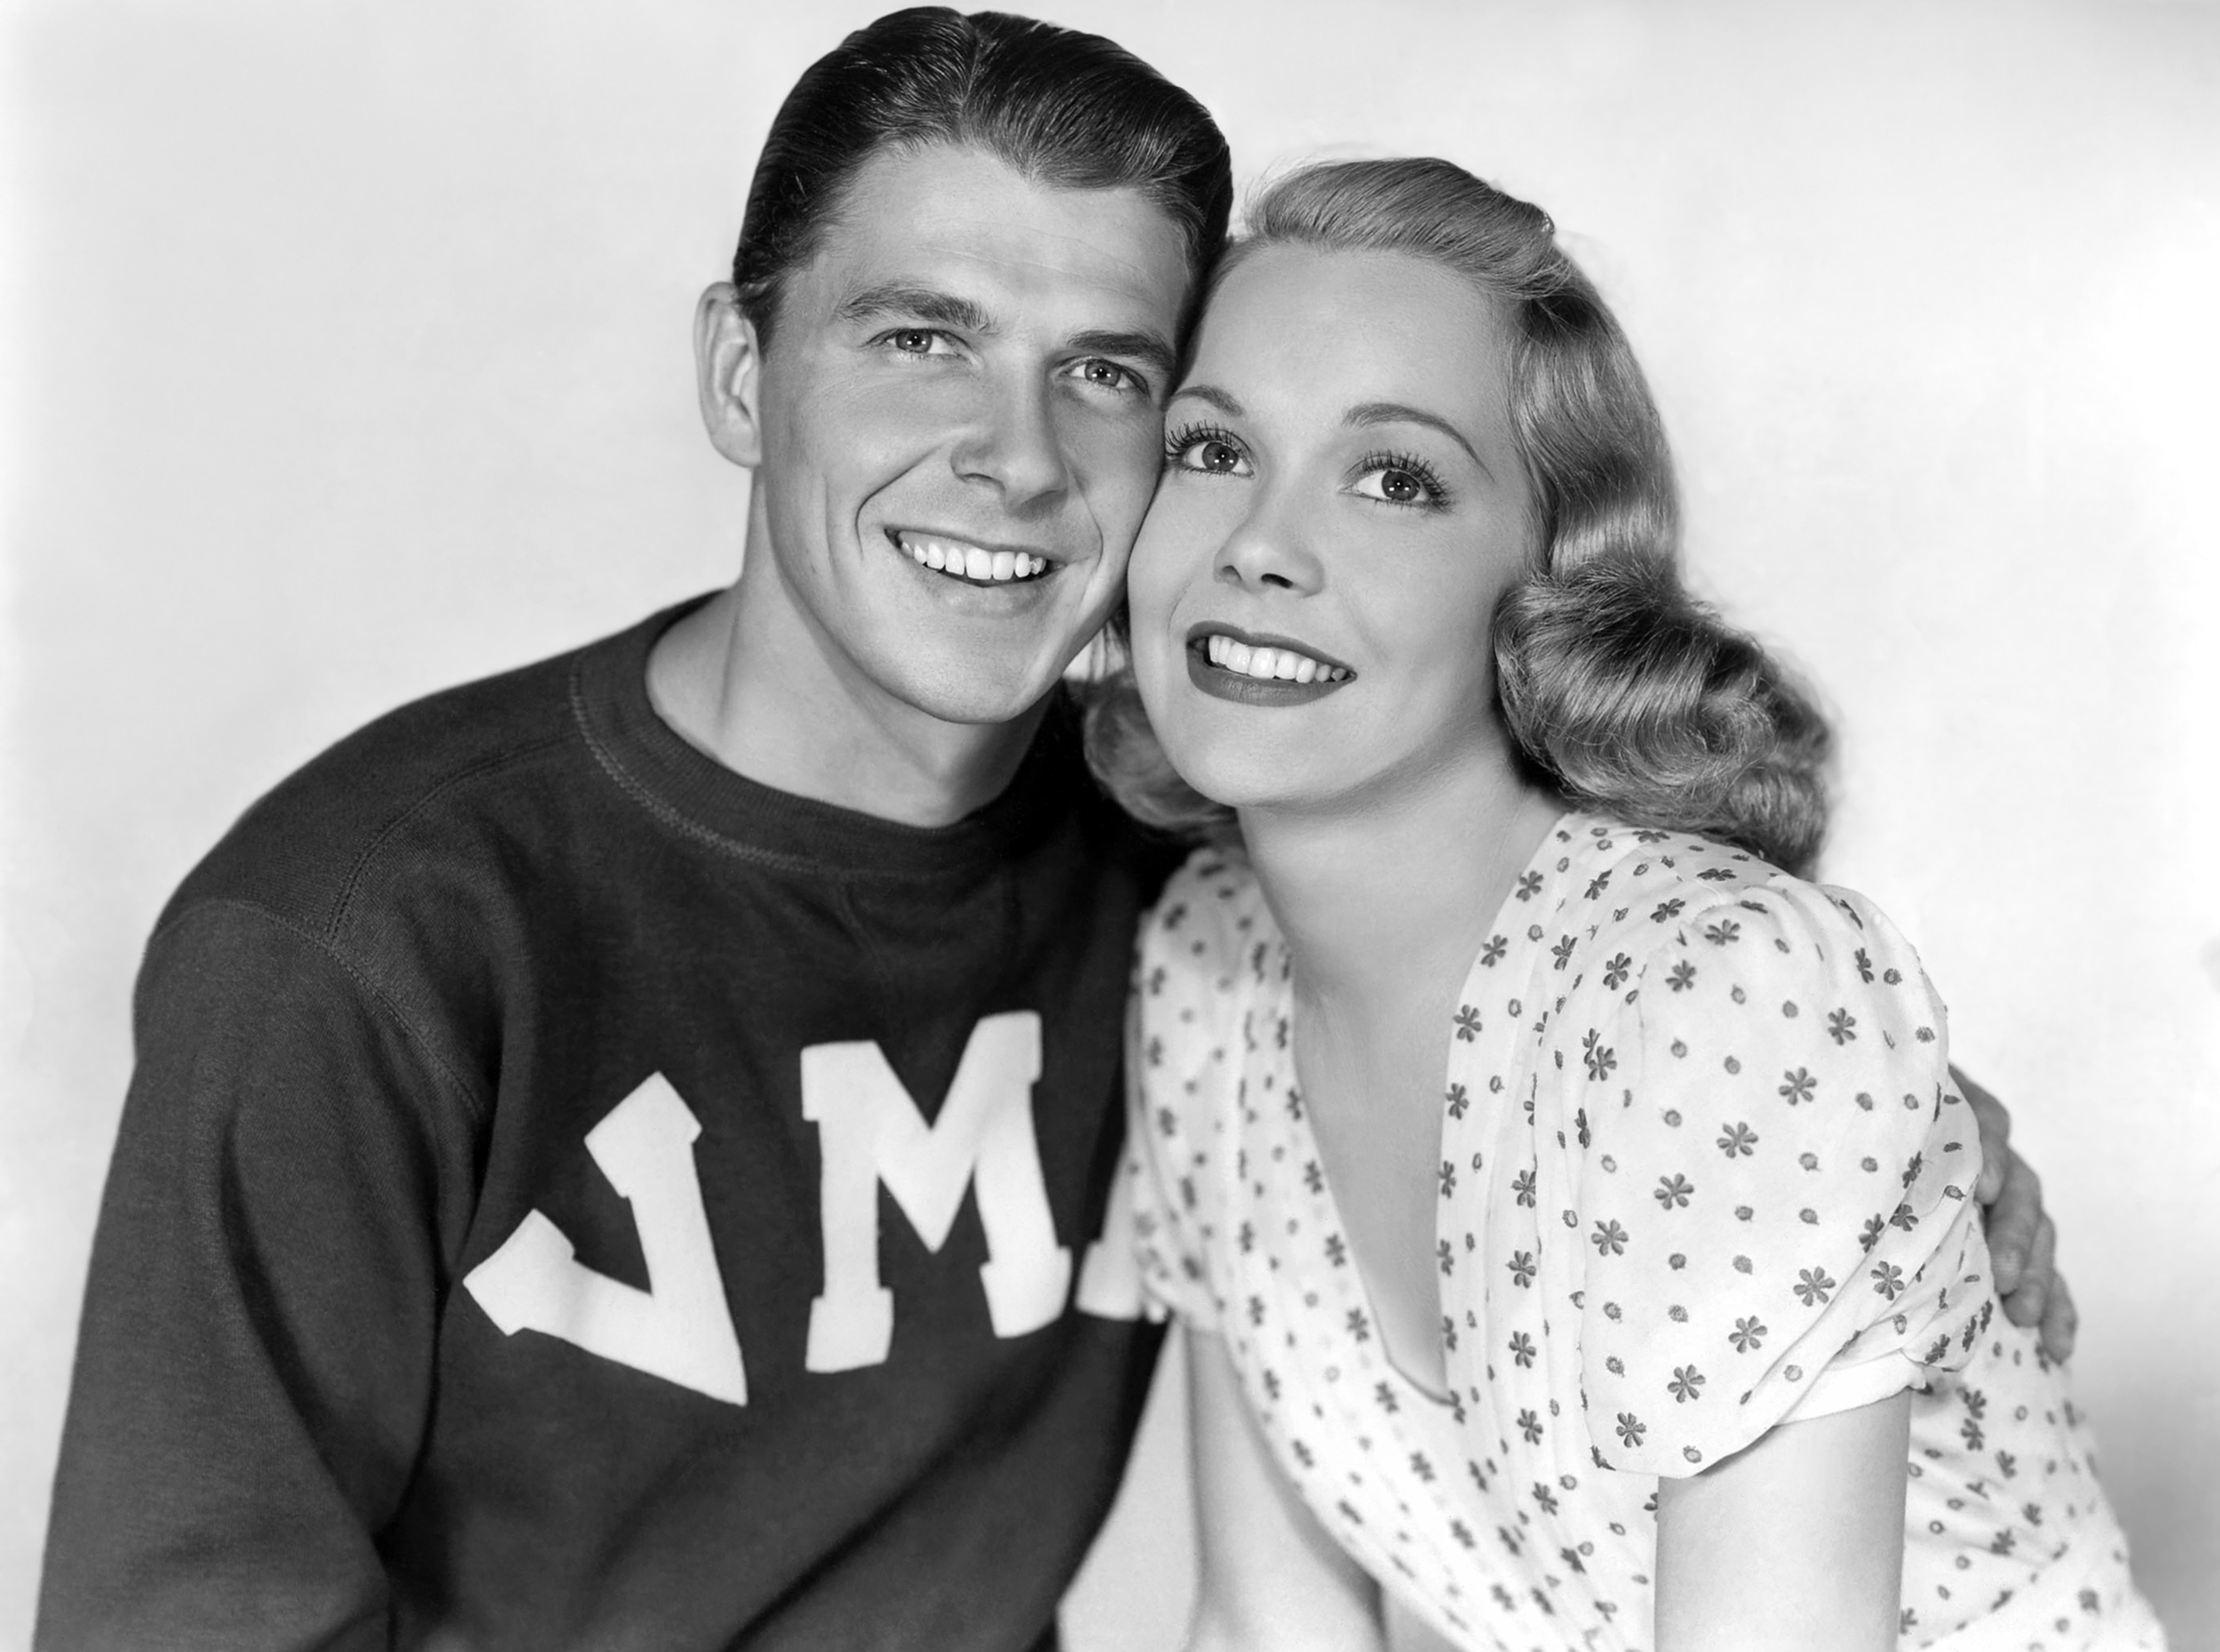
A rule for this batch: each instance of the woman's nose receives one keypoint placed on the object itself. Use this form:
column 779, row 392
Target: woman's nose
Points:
column 1270, row 549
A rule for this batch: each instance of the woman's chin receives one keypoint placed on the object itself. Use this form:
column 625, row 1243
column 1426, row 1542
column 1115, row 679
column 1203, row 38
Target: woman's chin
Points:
column 1248, row 780
column 1241, row 758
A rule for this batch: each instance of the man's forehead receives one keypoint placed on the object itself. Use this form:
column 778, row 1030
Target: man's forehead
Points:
column 964, row 223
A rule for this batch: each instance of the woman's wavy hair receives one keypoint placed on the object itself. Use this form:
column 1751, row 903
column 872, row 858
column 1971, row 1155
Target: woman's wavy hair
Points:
column 1627, row 694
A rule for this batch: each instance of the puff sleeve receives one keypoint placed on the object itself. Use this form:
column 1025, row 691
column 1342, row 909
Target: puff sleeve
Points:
column 1777, row 1218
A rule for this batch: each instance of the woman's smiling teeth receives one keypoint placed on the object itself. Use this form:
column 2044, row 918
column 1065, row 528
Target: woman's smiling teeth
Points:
column 969, row 561
column 1284, row 664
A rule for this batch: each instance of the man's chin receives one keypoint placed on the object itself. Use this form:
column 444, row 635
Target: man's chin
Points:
column 980, row 699
column 981, row 679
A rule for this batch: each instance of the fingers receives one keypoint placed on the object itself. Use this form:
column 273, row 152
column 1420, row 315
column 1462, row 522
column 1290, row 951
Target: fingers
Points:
column 2022, row 1241
column 1994, row 1164
column 2061, row 1321
column 2025, row 1304
column 2013, row 1223
column 1995, row 1125
column 1996, row 1122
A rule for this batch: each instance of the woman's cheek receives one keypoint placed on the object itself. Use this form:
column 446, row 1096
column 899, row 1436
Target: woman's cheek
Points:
column 1150, row 578
column 1185, row 527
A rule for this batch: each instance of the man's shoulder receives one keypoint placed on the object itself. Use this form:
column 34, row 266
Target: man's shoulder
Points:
column 443, row 777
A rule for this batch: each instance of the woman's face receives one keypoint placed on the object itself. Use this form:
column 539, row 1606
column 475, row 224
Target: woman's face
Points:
column 1341, row 506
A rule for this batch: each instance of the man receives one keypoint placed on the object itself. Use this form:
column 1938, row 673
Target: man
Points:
column 616, row 1150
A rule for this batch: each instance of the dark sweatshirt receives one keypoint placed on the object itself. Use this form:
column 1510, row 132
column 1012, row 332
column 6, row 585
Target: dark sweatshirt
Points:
column 572, row 1196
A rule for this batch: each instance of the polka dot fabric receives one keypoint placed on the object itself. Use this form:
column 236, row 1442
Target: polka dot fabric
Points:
column 1780, row 1225
column 1702, row 1171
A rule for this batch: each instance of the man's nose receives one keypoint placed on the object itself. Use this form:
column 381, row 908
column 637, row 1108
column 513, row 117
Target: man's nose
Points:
column 1014, row 443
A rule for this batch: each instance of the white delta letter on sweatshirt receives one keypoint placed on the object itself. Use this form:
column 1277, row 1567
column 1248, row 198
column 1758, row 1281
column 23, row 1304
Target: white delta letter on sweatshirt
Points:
column 681, row 1327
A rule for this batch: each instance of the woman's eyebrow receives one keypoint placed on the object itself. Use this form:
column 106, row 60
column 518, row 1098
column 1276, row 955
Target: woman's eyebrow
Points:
column 1394, row 413
column 1223, row 400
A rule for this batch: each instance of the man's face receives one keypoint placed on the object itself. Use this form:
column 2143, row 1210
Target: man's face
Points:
column 961, row 422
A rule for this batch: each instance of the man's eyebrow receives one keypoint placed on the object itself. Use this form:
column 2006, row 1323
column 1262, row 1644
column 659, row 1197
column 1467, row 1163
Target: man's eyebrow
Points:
column 1223, row 400
column 1393, row 413
column 1149, row 349
column 914, row 302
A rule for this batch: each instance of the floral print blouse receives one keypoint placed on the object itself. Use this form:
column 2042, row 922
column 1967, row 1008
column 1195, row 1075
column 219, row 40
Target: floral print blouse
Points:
column 1703, row 1170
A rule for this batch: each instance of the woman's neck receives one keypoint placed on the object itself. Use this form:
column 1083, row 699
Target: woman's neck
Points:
column 1393, row 898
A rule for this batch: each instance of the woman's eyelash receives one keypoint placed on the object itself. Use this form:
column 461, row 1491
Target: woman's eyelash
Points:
column 1185, row 436
column 1411, row 465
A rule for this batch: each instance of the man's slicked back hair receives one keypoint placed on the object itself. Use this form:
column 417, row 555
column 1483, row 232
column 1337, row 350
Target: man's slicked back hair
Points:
column 1060, row 107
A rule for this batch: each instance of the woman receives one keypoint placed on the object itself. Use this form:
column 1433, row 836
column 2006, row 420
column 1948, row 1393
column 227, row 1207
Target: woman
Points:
column 1636, row 1333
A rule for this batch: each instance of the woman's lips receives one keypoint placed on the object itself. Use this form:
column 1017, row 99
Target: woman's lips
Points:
column 1256, row 670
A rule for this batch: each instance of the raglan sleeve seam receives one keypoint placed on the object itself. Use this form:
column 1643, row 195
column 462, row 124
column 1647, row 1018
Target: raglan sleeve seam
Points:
column 436, row 1061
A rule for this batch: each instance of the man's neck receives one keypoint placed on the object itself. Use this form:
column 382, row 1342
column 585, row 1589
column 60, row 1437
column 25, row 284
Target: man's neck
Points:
column 760, row 693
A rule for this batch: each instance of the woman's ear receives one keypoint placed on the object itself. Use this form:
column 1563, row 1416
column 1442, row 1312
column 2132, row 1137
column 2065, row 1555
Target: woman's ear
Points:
column 728, row 375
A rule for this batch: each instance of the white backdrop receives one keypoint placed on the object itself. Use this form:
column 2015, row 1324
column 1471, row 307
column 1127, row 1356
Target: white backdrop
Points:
column 346, row 357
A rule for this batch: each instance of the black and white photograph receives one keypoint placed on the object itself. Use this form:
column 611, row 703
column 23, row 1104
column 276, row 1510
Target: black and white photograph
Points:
column 1273, row 826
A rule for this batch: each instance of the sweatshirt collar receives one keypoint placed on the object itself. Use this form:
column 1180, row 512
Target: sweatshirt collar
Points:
column 696, row 795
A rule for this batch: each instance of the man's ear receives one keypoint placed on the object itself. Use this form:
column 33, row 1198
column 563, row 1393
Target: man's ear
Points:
column 728, row 375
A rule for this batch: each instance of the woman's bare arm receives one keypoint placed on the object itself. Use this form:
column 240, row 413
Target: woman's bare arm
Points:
column 1796, row 1540
column 1271, row 1577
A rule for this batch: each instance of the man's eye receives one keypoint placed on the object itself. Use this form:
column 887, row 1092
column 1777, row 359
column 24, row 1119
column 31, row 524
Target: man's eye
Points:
column 1108, row 374
column 918, row 341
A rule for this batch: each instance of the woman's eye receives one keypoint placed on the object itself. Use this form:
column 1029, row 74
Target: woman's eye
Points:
column 1211, row 456
column 1397, row 486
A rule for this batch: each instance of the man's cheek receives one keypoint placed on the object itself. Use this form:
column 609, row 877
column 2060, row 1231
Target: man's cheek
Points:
column 1123, row 482
column 874, row 432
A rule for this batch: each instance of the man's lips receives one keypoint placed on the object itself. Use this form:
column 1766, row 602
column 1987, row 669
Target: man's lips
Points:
column 969, row 559
column 1259, row 668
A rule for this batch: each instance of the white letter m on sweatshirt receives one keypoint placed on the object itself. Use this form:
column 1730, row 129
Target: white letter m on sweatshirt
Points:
column 870, row 1133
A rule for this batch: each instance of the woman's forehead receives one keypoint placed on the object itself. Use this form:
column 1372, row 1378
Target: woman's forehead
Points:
column 1353, row 326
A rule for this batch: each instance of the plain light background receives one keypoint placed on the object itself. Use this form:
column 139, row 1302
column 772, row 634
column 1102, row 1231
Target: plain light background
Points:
column 346, row 356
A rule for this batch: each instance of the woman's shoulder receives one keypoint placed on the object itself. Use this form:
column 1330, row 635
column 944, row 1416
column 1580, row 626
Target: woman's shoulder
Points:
column 1632, row 893
column 1698, row 963
column 1755, row 990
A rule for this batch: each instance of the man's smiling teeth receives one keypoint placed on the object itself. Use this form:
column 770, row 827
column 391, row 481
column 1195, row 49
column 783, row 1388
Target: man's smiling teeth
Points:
column 1282, row 663
column 954, row 556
